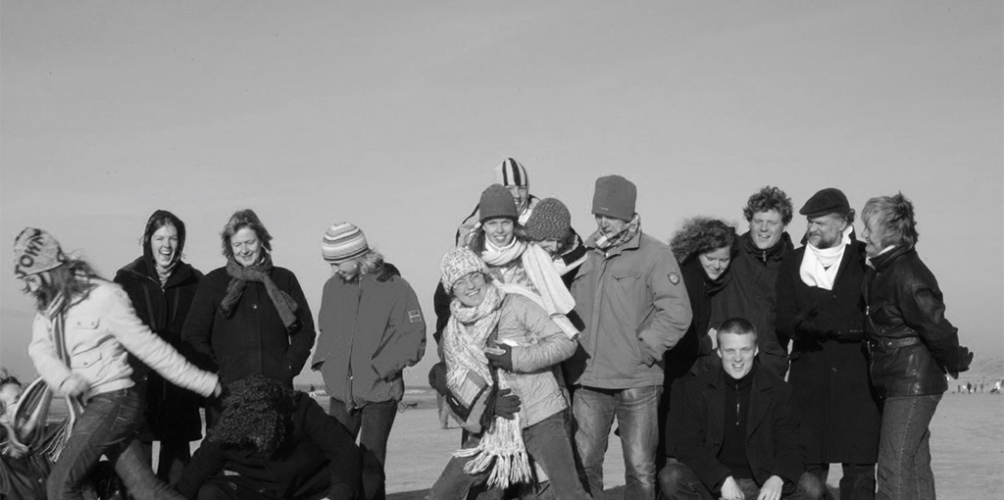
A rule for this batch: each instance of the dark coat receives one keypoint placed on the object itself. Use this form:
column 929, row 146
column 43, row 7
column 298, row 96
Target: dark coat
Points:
column 321, row 455
column 172, row 413
column 695, row 343
column 697, row 419
column 829, row 365
column 253, row 339
column 905, row 305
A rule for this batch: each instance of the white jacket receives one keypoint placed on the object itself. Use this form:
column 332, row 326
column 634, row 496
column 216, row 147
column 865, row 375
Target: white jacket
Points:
column 99, row 330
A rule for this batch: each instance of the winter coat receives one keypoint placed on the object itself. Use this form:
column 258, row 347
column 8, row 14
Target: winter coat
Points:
column 320, row 456
column 698, row 417
column 701, row 290
column 370, row 330
column 752, row 294
column 829, row 368
column 912, row 344
column 253, row 339
column 636, row 288
column 101, row 330
column 172, row 413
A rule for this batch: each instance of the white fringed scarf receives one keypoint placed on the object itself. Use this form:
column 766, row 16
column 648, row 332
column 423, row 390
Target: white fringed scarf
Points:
column 820, row 265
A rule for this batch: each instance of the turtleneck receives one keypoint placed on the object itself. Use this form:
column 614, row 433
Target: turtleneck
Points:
column 737, row 400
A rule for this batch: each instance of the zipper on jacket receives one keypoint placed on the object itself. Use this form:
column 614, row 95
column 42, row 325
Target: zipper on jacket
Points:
column 737, row 403
column 351, row 403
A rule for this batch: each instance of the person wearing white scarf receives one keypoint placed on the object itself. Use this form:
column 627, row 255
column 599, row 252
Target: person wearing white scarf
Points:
column 819, row 266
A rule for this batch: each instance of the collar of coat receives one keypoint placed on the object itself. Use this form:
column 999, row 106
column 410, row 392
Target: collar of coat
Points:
column 144, row 268
column 881, row 262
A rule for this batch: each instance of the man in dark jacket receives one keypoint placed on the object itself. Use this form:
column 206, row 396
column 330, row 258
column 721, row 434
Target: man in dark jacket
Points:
column 735, row 436
column 371, row 328
column 754, row 269
column 820, row 307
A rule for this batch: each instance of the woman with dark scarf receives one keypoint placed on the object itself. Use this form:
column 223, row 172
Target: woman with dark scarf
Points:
column 281, row 444
column 161, row 288
column 250, row 317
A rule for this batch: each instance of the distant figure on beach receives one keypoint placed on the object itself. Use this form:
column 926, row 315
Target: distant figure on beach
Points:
column 735, row 429
column 82, row 334
column 371, row 328
column 249, row 316
column 161, row 287
column 280, row 444
column 502, row 354
column 912, row 347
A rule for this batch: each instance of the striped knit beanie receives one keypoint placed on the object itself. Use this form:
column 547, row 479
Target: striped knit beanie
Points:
column 497, row 202
column 550, row 220
column 36, row 251
column 343, row 242
column 511, row 173
column 615, row 197
column 458, row 263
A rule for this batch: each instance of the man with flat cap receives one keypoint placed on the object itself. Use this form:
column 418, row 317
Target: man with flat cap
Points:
column 820, row 307
column 634, row 305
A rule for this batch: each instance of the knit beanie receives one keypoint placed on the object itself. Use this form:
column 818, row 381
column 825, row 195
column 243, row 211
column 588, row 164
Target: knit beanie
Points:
column 550, row 220
column 36, row 251
column 511, row 173
column 615, row 197
column 343, row 242
column 458, row 263
column 496, row 202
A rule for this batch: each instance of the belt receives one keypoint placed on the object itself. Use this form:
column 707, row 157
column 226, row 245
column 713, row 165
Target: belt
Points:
column 884, row 344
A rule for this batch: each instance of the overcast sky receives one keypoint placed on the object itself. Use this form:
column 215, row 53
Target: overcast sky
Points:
column 392, row 115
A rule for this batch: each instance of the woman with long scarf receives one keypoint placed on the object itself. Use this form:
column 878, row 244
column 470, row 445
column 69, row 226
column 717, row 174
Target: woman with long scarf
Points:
column 161, row 287
column 504, row 439
column 250, row 316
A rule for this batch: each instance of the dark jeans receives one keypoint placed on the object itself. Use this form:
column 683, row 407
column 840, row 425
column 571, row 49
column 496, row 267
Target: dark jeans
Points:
column 904, row 461
column 371, row 425
column 173, row 457
column 678, row 482
column 107, row 427
column 548, row 444
column 857, row 483
column 636, row 410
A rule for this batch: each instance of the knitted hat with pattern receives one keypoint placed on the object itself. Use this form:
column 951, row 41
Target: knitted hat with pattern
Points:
column 458, row 263
column 550, row 220
column 343, row 242
column 615, row 197
column 496, row 202
column 511, row 173
column 36, row 251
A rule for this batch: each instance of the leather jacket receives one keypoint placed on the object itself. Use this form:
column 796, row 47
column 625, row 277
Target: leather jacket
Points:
column 911, row 344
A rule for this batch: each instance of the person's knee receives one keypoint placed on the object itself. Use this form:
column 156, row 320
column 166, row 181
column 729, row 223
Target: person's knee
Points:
column 676, row 478
column 811, row 487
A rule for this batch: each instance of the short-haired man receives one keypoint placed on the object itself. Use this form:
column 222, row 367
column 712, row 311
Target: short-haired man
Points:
column 512, row 175
column 371, row 328
column 751, row 293
column 735, row 429
column 820, row 307
column 634, row 305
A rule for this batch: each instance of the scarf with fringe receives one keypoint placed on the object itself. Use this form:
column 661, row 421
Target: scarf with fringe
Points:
column 819, row 265
column 501, row 447
column 609, row 242
column 258, row 273
column 551, row 293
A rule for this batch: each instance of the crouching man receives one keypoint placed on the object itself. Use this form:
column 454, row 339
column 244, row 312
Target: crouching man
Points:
column 733, row 430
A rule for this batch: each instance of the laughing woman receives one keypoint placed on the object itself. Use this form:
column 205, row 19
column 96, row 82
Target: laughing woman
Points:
column 912, row 347
column 250, row 317
column 161, row 288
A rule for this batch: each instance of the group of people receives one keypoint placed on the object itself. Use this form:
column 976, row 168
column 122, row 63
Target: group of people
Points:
column 735, row 366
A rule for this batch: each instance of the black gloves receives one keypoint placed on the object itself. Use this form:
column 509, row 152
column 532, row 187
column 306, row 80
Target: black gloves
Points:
column 964, row 359
column 504, row 360
column 437, row 378
column 805, row 325
column 507, row 404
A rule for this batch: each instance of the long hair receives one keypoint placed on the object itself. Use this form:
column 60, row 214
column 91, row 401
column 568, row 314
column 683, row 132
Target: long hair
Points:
column 702, row 234
column 73, row 280
column 257, row 415
column 157, row 220
column 477, row 242
column 895, row 214
column 766, row 199
column 244, row 219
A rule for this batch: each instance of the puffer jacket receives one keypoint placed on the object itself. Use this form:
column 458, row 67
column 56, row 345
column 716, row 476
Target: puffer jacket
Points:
column 100, row 331
column 911, row 343
column 370, row 330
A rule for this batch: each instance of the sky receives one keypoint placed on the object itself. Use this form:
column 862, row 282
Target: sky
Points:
column 392, row 115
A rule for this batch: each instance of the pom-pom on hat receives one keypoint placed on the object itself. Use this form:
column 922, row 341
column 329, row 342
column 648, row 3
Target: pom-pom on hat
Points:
column 496, row 202
column 826, row 201
column 458, row 263
column 615, row 197
column 511, row 173
column 36, row 251
column 343, row 242
column 550, row 220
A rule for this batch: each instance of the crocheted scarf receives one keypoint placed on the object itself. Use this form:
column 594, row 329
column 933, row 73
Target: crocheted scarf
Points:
column 258, row 273
column 501, row 447
column 609, row 242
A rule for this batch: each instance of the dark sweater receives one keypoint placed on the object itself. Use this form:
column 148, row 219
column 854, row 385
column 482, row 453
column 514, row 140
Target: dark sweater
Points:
column 737, row 408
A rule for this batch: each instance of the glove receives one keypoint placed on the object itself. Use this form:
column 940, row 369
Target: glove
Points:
column 965, row 358
column 805, row 325
column 437, row 378
column 507, row 404
column 504, row 360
